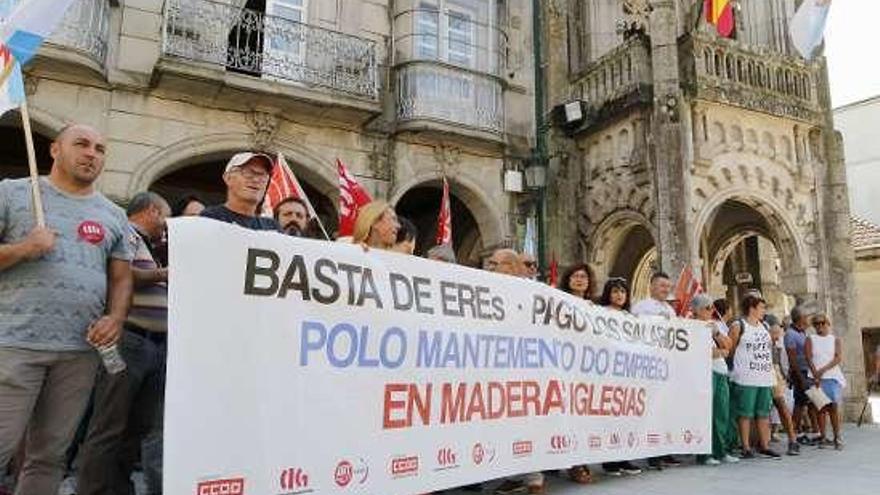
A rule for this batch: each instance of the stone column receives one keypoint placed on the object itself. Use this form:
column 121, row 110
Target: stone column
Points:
column 667, row 146
column 840, row 297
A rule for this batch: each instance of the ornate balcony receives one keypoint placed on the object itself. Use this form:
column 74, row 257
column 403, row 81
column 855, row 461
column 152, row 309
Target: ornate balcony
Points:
column 618, row 79
column 729, row 72
column 85, row 30
column 428, row 91
column 448, row 60
column 245, row 41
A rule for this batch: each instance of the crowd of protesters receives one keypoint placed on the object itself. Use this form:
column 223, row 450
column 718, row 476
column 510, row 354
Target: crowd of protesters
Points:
column 105, row 271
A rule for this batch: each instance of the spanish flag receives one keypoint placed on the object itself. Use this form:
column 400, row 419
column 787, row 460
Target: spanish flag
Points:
column 720, row 14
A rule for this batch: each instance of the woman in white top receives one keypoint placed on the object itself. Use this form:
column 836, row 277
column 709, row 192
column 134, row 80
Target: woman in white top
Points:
column 824, row 357
column 752, row 375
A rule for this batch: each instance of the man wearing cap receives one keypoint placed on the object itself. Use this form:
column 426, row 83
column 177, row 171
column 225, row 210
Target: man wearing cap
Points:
column 247, row 177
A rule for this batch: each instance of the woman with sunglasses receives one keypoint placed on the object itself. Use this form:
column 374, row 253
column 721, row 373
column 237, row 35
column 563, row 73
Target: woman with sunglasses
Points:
column 615, row 295
column 578, row 281
column 823, row 352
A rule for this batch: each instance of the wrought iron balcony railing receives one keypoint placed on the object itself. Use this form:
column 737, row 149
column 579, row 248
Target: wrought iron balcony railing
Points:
column 251, row 42
column 85, row 29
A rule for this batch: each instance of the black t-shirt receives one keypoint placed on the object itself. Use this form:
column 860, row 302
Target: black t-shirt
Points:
column 224, row 214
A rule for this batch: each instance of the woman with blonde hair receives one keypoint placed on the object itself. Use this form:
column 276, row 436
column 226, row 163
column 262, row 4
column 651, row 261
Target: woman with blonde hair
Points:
column 376, row 226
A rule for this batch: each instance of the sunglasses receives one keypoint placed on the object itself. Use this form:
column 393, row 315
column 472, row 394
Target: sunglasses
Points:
column 821, row 322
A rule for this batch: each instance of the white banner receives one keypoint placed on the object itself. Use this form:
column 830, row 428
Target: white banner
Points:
column 302, row 366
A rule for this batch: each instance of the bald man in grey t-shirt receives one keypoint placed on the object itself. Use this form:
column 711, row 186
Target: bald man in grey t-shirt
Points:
column 64, row 289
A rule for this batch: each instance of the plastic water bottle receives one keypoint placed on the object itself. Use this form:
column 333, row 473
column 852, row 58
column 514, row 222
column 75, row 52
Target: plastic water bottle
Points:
column 113, row 361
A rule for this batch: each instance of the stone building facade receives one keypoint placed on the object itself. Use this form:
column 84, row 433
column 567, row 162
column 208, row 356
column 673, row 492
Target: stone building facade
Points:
column 692, row 149
column 404, row 92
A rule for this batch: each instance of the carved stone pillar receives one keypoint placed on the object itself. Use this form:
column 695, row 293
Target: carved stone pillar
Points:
column 666, row 145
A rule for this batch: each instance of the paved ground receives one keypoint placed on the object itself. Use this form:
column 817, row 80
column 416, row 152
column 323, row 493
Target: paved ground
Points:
column 853, row 471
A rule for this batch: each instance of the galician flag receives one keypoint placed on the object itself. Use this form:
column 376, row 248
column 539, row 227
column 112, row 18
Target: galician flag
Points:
column 11, row 82
column 24, row 24
column 808, row 26
column 28, row 24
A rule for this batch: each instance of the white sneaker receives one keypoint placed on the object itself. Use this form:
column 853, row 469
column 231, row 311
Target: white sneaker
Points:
column 729, row 459
column 712, row 461
column 68, row 486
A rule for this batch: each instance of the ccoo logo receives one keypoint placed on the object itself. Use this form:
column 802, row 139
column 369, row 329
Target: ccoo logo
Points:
column 522, row 448
column 404, row 466
column 230, row 486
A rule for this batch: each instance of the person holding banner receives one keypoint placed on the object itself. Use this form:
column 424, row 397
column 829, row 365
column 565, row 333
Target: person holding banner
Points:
column 292, row 215
column 824, row 356
column 752, row 376
column 376, row 226
column 246, row 176
column 505, row 261
column 190, row 205
column 64, row 291
column 657, row 305
column 578, row 281
column 615, row 295
column 704, row 310
column 407, row 235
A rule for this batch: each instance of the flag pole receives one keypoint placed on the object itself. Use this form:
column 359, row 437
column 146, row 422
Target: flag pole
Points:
column 321, row 224
column 32, row 165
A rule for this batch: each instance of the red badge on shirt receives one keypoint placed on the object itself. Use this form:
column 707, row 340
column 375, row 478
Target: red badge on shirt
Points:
column 91, row 232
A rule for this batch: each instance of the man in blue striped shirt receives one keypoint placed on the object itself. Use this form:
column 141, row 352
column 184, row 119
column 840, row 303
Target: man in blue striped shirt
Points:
column 128, row 405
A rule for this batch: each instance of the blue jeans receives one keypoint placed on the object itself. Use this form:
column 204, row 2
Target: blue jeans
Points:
column 128, row 410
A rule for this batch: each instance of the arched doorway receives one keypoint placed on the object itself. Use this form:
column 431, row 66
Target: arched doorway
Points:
column 421, row 205
column 623, row 246
column 204, row 177
column 740, row 248
column 13, row 153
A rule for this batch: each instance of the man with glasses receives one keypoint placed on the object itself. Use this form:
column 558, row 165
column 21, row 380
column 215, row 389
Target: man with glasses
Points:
column 247, row 177
column 531, row 266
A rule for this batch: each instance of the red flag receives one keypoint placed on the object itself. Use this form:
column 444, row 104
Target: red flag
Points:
column 553, row 278
column 444, row 219
column 283, row 185
column 687, row 287
column 351, row 197
column 719, row 13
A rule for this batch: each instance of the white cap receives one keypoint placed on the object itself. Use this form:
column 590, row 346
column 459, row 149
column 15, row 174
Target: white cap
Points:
column 240, row 159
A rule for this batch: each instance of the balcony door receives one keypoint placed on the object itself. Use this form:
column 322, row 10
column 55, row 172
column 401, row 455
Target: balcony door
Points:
column 284, row 39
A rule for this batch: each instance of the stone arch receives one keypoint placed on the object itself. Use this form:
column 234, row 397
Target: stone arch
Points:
column 780, row 228
column 623, row 229
column 474, row 197
column 316, row 170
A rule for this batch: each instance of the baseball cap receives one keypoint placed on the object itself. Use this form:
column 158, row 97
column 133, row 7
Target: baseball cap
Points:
column 240, row 159
column 701, row 301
